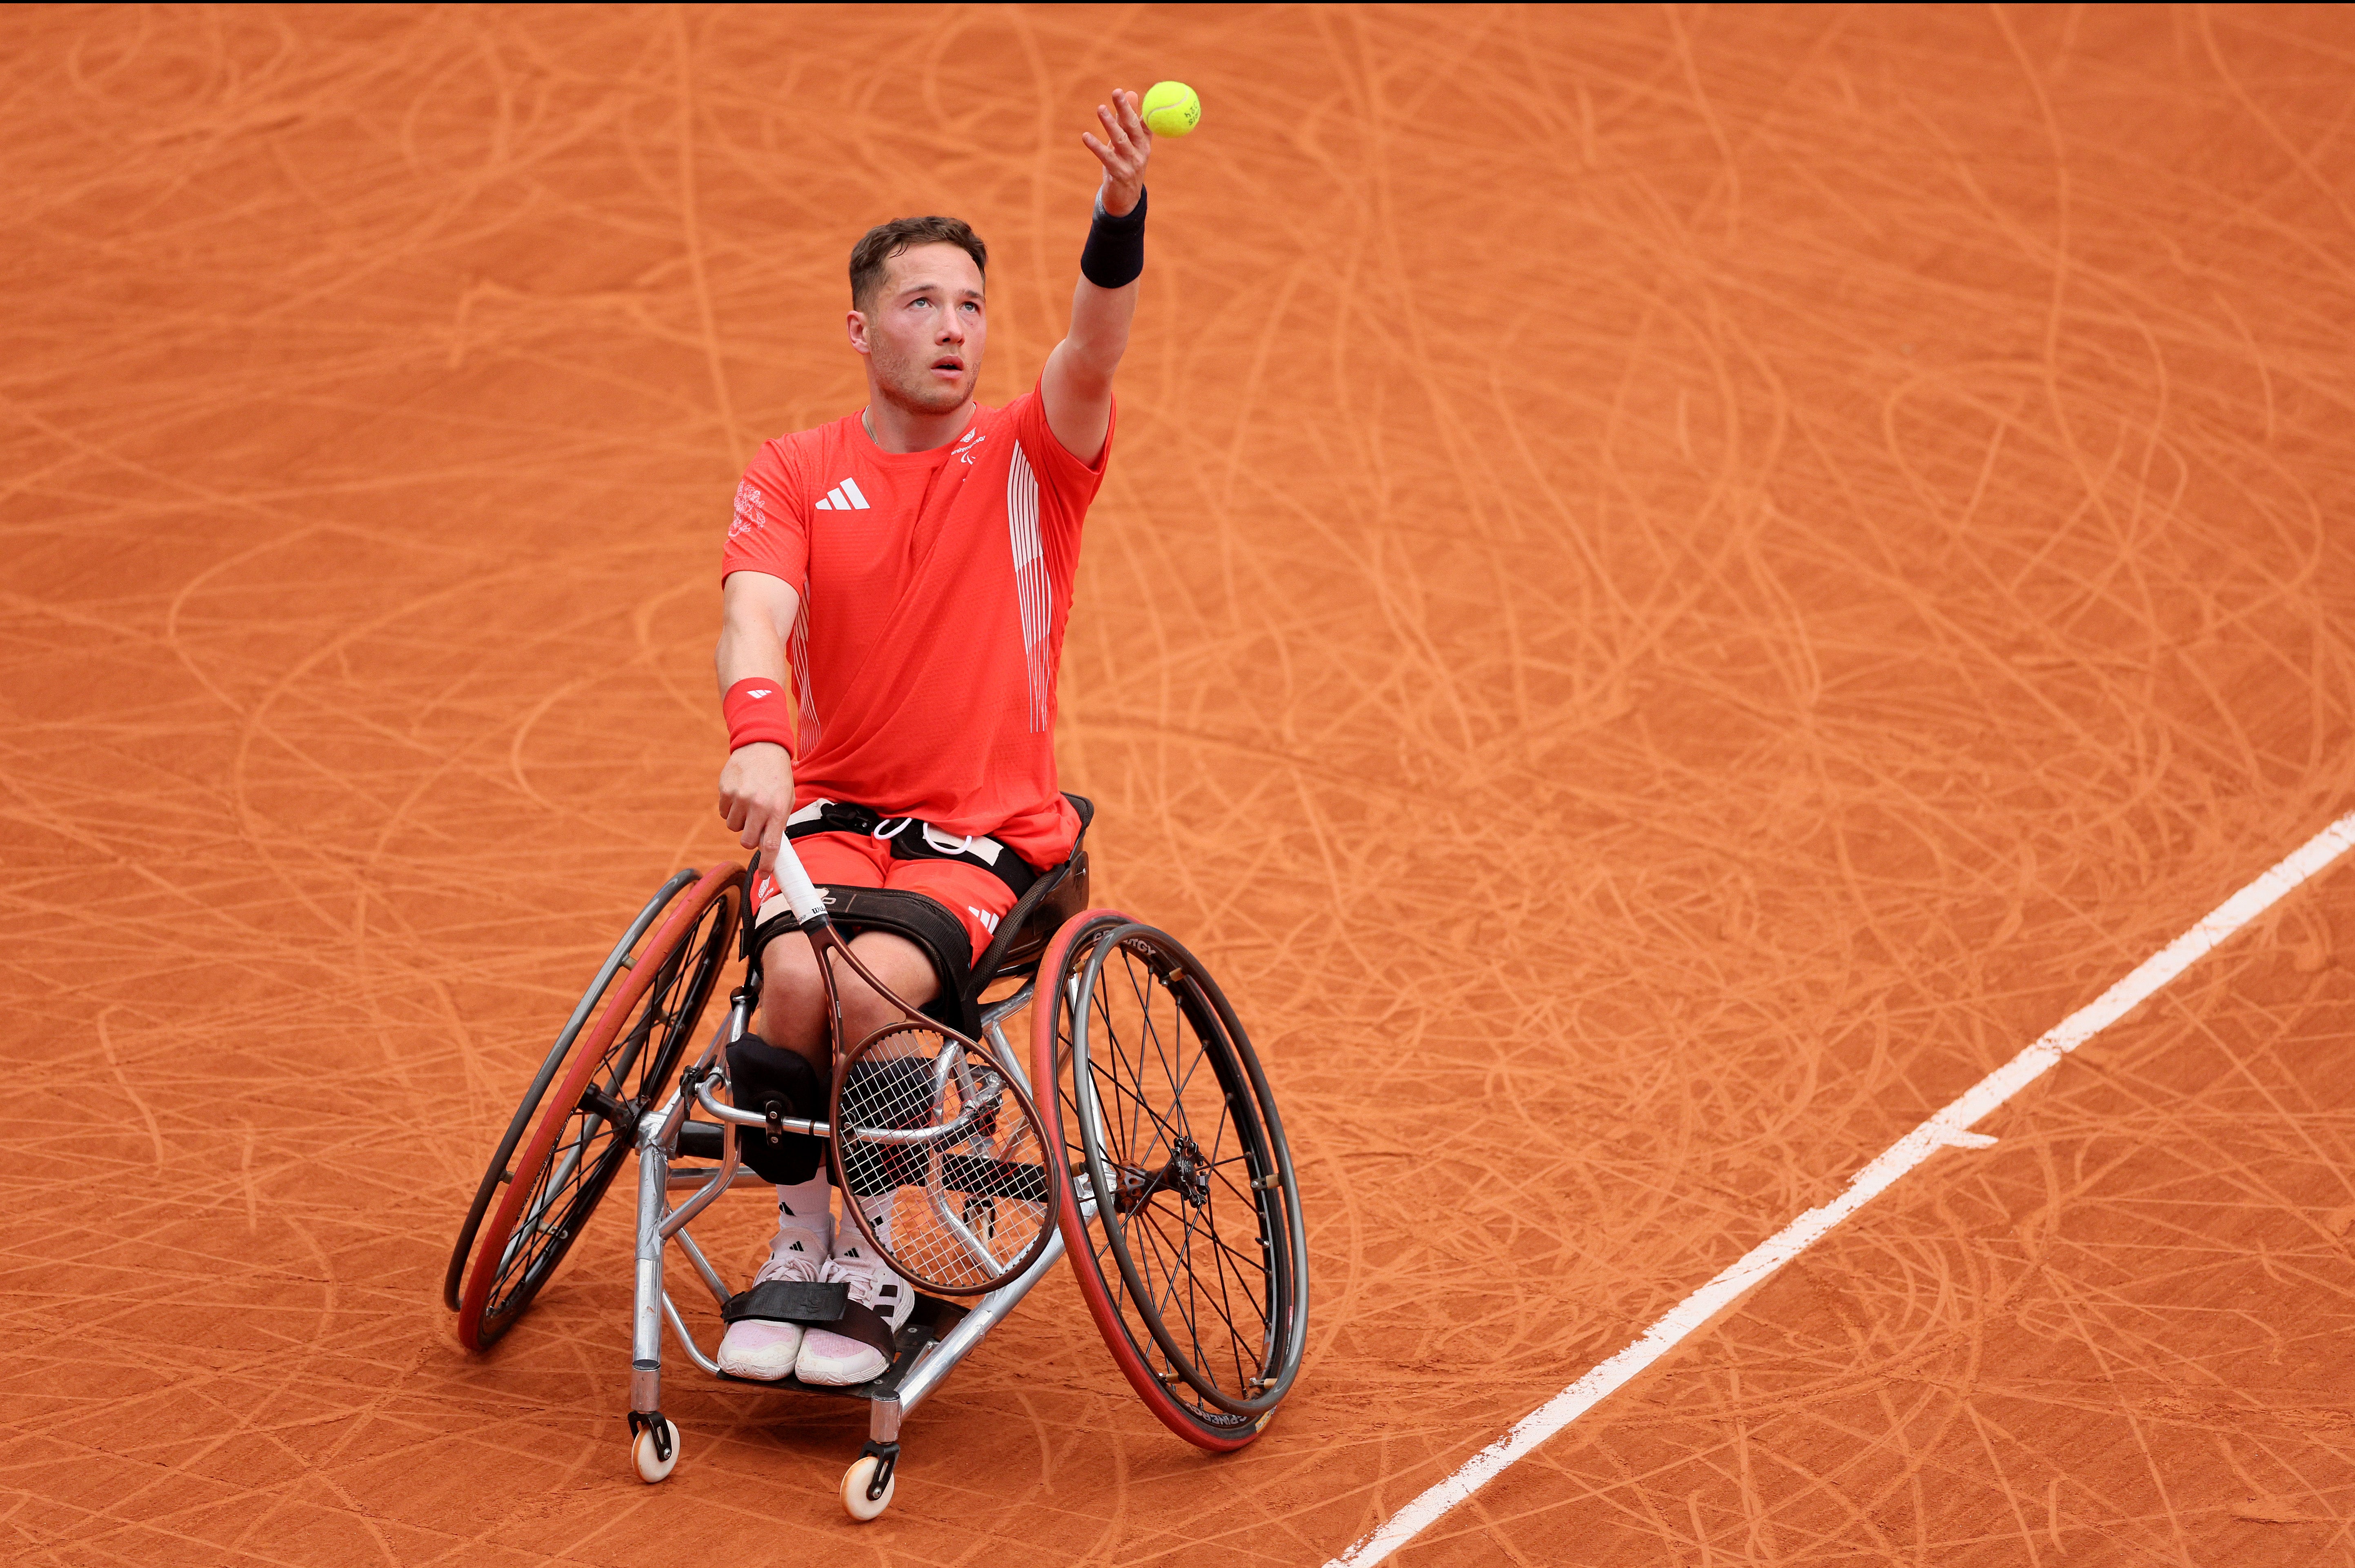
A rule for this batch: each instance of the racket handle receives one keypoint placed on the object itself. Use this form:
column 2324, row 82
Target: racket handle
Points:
column 801, row 895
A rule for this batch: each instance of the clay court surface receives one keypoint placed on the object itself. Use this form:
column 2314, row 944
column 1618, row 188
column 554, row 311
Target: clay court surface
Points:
column 1674, row 587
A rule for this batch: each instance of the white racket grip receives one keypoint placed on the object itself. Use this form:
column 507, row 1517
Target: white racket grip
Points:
column 801, row 894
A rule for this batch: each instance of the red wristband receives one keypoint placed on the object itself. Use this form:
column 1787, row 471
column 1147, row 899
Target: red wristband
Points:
column 758, row 709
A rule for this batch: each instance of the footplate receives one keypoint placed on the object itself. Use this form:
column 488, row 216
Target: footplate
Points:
column 928, row 1320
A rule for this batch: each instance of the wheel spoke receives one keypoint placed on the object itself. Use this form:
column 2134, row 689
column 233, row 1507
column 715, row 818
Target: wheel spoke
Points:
column 1150, row 1033
column 1232, row 1262
column 1222, row 1306
column 1186, row 1081
column 1123, row 1093
column 1219, row 1259
column 587, row 1150
column 1193, row 1291
column 1130, row 1153
column 1227, row 1307
column 1132, row 1064
column 1196, row 1297
column 1228, row 1182
column 1198, row 1310
column 1109, row 1108
column 1169, row 1298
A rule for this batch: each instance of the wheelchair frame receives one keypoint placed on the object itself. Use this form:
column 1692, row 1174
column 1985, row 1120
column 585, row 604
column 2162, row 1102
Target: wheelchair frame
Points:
column 550, row 1188
column 938, row 1334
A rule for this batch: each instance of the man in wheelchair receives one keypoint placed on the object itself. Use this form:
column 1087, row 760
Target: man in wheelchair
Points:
column 895, row 587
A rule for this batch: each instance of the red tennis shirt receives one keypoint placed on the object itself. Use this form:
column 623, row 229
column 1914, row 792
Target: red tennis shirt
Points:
column 935, row 589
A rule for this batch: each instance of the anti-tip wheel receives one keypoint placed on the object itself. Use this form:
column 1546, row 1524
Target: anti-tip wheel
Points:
column 855, row 1482
column 651, row 1466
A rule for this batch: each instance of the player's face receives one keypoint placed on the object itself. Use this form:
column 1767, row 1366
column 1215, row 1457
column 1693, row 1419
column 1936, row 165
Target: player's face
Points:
column 925, row 334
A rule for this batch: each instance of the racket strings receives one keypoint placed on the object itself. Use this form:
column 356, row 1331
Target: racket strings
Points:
column 932, row 1120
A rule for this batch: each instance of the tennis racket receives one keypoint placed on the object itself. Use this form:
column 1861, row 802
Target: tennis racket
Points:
column 922, row 1113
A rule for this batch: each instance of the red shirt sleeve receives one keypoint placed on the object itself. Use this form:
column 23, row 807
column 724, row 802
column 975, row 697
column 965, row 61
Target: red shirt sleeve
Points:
column 768, row 534
column 1074, row 481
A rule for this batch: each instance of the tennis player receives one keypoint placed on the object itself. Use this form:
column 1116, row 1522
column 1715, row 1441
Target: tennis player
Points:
column 894, row 591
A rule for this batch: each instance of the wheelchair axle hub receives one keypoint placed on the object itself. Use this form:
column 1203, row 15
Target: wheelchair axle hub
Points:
column 1187, row 1174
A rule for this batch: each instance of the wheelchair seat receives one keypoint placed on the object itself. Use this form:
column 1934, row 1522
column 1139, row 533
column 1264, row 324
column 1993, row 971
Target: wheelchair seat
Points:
column 1058, row 894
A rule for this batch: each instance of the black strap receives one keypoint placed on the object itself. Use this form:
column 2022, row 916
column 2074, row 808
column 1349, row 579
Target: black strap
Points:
column 814, row 1304
column 791, row 1301
column 927, row 922
column 867, row 1326
column 931, row 924
column 908, row 840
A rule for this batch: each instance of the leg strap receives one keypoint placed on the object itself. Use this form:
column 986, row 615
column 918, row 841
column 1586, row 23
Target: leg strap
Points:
column 804, row 1301
column 814, row 1304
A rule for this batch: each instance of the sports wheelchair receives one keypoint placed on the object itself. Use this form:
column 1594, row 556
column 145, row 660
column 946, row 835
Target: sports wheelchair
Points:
column 1151, row 1155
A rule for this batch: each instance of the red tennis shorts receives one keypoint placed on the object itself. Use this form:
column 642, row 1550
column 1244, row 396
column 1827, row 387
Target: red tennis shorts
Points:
column 973, row 893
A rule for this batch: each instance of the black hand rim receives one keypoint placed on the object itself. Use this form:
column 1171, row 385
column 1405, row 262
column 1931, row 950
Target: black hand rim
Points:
column 674, row 1001
column 1261, row 1151
column 1024, row 1107
column 527, row 1111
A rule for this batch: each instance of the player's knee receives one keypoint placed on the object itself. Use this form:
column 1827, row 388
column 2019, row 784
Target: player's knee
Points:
column 793, row 999
column 864, row 1012
column 901, row 965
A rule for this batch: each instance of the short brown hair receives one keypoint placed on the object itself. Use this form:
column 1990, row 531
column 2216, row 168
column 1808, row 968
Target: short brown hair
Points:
column 871, row 257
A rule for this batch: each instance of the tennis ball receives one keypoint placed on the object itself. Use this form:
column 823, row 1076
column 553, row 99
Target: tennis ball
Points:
column 1170, row 109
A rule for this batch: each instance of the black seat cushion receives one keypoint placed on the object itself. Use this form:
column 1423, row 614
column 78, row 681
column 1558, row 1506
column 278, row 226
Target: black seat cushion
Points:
column 1022, row 936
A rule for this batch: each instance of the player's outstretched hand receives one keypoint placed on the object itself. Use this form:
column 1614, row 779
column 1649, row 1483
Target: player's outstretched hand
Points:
column 1126, row 146
column 756, row 796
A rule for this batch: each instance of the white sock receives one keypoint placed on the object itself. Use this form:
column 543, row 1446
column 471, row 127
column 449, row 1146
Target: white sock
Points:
column 878, row 1209
column 804, row 1218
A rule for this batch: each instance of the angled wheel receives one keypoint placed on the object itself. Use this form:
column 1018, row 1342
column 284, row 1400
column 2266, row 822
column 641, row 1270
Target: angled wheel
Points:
column 619, row 1065
column 617, row 963
column 1174, row 1189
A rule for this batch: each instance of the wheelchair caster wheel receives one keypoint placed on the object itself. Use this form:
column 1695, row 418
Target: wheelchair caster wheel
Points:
column 651, row 1466
column 855, row 1481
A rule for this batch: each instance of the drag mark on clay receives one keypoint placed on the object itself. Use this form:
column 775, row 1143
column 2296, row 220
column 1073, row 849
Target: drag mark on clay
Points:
column 1949, row 1128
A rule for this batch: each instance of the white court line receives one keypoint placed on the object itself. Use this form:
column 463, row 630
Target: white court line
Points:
column 1948, row 1129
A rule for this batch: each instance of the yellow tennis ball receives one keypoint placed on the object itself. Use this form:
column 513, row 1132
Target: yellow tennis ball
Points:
column 1170, row 109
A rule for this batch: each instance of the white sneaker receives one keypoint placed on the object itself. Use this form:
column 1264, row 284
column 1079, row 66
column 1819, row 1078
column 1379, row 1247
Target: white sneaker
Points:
column 839, row 1359
column 766, row 1350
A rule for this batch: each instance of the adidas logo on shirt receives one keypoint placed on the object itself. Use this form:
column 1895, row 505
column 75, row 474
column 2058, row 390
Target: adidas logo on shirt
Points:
column 845, row 497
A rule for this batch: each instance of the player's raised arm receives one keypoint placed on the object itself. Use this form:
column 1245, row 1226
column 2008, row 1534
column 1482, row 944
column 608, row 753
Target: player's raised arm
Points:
column 756, row 785
column 1077, row 386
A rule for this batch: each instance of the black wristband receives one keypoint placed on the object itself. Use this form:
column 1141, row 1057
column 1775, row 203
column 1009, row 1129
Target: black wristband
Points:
column 1115, row 255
